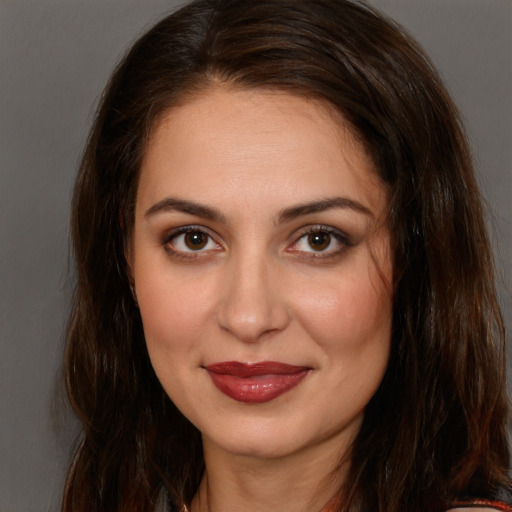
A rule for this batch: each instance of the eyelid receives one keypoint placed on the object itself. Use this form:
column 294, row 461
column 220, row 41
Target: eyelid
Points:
column 182, row 230
column 343, row 238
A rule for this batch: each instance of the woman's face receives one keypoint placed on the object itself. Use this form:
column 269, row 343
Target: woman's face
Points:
column 261, row 260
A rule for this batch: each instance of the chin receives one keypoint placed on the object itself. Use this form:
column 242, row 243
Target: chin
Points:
column 264, row 448
column 254, row 440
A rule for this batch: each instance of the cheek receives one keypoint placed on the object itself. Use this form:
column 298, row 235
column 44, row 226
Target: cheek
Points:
column 351, row 322
column 347, row 312
column 177, row 307
column 173, row 307
column 175, row 313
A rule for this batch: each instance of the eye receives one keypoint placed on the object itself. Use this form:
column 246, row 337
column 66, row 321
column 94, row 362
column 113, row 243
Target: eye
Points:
column 190, row 239
column 320, row 241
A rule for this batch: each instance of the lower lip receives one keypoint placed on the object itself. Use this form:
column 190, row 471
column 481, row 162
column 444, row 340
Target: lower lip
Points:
column 256, row 389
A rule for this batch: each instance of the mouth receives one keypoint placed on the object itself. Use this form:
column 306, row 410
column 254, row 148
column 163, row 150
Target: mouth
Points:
column 255, row 383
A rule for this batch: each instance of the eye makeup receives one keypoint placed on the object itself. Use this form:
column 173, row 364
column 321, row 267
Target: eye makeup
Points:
column 314, row 242
column 190, row 242
column 320, row 242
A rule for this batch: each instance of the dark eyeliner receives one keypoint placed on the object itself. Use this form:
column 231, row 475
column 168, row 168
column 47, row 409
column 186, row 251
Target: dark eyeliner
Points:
column 343, row 238
column 173, row 233
column 337, row 233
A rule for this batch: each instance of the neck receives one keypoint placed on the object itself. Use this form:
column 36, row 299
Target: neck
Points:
column 303, row 482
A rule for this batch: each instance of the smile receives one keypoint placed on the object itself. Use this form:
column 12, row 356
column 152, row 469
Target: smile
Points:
column 255, row 383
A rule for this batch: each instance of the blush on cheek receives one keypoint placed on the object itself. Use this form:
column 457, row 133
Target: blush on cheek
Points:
column 335, row 307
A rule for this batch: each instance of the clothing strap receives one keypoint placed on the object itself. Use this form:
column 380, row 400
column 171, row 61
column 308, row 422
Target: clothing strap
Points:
column 497, row 505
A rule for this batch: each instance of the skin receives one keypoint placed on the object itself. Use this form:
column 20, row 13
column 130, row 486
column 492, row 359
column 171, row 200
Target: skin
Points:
column 259, row 290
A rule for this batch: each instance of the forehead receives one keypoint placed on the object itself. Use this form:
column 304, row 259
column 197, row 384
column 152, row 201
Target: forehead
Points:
column 231, row 142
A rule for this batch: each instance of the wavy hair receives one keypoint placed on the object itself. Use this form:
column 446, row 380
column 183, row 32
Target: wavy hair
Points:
column 435, row 432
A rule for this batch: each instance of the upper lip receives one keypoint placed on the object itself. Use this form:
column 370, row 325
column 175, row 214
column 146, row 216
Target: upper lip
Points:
column 239, row 369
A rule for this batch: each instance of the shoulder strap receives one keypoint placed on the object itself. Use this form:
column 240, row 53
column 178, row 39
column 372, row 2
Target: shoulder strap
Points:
column 496, row 505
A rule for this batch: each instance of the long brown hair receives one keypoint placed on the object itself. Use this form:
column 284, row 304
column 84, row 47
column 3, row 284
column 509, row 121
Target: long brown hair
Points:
column 435, row 431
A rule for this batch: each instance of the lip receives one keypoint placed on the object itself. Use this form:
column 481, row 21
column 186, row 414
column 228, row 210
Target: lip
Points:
column 257, row 382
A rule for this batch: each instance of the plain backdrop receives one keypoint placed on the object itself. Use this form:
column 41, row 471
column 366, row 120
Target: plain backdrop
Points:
column 55, row 57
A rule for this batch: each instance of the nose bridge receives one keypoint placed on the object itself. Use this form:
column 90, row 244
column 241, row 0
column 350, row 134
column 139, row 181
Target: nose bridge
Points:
column 251, row 304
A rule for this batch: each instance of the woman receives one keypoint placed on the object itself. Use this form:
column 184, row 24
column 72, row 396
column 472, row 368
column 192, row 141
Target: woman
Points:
column 285, row 292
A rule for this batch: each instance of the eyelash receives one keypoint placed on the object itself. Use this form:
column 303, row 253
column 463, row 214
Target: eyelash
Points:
column 167, row 242
column 334, row 235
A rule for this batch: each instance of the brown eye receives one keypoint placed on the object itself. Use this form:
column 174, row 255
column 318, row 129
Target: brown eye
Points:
column 191, row 240
column 195, row 240
column 319, row 241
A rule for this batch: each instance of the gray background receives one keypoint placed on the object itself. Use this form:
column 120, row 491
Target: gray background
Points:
column 55, row 57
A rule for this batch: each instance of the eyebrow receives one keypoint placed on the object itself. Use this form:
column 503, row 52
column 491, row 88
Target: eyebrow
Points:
column 322, row 205
column 170, row 204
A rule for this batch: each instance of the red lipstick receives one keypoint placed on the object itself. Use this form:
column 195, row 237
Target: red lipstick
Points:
column 255, row 383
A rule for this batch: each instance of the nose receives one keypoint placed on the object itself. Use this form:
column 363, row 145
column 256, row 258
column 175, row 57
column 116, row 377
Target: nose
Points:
column 252, row 304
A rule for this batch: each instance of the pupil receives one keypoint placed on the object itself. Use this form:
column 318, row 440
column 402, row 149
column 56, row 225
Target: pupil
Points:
column 195, row 240
column 319, row 241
